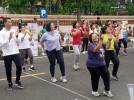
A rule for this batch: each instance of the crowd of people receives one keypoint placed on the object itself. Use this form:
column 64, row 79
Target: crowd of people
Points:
column 101, row 42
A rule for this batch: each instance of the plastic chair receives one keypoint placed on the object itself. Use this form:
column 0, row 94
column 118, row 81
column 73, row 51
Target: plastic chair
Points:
column 131, row 91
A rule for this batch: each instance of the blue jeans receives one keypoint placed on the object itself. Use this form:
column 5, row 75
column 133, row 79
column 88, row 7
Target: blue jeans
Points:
column 52, row 55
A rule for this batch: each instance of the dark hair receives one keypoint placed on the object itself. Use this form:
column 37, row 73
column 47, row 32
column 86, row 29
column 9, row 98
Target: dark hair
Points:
column 74, row 24
column 90, row 37
column 48, row 26
column 98, row 17
column 2, row 18
column 56, row 27
column 103, row 29
column 35, row 18
column 83, row 21
column 23, row 25
column 108, row 21
column 44, row 26
column 5, row 19
column 91, row 25
column 114, row 21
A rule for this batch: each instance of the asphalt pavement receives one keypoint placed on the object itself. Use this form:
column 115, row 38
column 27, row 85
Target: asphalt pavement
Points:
column 38, row 86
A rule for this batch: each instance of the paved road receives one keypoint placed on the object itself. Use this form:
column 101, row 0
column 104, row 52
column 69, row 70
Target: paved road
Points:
column 39, row 87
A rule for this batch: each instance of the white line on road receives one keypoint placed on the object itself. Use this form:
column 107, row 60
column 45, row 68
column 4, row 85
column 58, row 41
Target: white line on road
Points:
column 56, row 85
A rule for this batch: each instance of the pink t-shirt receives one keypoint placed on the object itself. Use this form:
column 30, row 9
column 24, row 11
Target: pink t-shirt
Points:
column 77, row 38
column 87, row 31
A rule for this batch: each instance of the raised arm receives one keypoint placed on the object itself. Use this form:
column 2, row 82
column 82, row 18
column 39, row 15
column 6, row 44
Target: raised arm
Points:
column 99, row 45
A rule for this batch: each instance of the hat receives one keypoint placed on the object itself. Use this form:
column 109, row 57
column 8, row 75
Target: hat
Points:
column 118, row 23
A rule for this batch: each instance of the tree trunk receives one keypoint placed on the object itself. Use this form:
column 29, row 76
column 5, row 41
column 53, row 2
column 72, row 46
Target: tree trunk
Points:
column 83, row 10
column 57, row 4
column 32, row 9
column 78, row 12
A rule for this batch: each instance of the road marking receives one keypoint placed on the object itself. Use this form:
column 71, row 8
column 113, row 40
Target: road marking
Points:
column 24, row 76
column 57, row 85
column 60, row 87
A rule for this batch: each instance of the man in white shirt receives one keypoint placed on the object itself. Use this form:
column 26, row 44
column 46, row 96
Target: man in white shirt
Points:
column 8, row 41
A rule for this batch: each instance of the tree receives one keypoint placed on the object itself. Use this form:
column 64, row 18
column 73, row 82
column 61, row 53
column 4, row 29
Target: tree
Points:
column 20, row 6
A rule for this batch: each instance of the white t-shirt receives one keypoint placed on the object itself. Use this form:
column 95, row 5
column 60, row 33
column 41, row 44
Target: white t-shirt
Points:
column 8, row 47
column 25, row 44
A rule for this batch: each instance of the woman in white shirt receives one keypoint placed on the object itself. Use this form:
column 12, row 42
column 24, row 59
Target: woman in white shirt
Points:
column 24, row 47
column 121, row 38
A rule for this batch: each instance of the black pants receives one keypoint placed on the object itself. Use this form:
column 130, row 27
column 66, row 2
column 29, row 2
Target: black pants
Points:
column 85, row 44
column 52, row 55
column 110, row 55
column 95, row 76
column 124, row 43
column 8, row 66
column 116, row 48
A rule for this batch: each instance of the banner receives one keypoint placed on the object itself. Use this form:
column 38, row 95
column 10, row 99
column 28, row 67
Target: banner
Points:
column 34, row 43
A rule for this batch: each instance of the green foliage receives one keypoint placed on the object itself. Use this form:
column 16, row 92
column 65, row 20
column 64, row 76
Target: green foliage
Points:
column 20, row 6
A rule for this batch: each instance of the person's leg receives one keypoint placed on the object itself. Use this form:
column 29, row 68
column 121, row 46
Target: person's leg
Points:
column 51, row 58
column 125, row 45
column 23, row 54
column 106, row 78
column 116, row 48
column 119, row 44
column 95, row 75
column 17, row 61
column 107, row 57
column 86, row 43
column 8, row 67
column 60, row 59
column 115, row 61
column 83, row 45
column 76, row 49
column 30, row 55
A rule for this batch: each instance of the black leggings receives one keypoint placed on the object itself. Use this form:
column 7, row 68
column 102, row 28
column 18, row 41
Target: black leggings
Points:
column 85, row 44
column 95, row 76
column 52, row 55
column 8, row 65
column 110, row 55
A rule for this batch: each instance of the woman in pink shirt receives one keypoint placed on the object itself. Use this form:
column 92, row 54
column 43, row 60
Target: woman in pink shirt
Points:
column 76, row 32
column 85, row 29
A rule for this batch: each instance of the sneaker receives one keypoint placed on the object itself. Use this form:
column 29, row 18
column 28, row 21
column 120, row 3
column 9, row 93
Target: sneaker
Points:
column 53, row 79
column 78, row 67
column 111, row 63
column 96, row 94
column 24, row 69
column 10, row 86
column 63, row 79
column 75, row 67
column 43, row 54
column 115, row 77
column 19, row 85
column 125, row 52
column 32, row 68
column 84, row 52
column 108, row 93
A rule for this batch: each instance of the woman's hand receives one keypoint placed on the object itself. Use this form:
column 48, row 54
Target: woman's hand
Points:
column 102, row 36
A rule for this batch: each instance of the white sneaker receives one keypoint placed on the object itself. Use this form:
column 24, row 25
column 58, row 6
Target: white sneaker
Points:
column 75, row 67
column 53, row 79
column 43, row 54
column 63, row 79
column 78, row 67
column 84, row 52
column 111, row 63
column 96, row 94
